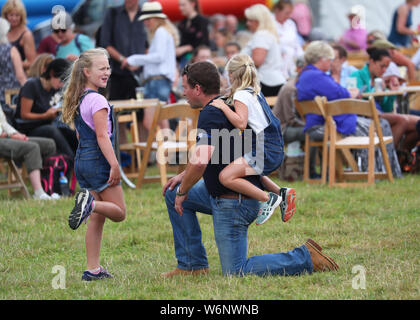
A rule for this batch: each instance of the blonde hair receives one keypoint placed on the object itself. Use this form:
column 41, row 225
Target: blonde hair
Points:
column 317, row 50
column 243, row 75
column 39, row 66
column 14, row 5
column 75, row 84
column 262, row 14
column 169, row 26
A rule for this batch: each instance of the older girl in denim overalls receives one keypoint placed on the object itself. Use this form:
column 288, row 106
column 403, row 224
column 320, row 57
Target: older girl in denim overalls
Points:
column 96, row 166
column 266, row 153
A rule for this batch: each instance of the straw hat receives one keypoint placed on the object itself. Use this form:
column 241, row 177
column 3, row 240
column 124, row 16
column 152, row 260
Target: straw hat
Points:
column 151, row 10
column 383, row 44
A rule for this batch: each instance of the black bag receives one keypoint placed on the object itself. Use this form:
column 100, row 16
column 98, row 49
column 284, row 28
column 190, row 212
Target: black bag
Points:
column 409, row 161
column 51, row 171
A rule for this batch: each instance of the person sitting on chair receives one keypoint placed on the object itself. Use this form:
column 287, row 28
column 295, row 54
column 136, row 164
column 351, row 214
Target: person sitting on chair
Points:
column 17, row 146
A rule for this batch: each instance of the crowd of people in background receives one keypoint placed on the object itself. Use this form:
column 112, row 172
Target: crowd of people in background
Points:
column 152, row 53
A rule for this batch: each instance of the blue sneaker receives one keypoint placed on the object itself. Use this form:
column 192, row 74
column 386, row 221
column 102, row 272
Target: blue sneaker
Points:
column 102, row 274
column 82, row 208
column 267, row 208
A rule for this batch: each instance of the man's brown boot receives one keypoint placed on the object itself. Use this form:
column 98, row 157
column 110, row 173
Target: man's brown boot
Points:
column 320, row 261
column 180, row 272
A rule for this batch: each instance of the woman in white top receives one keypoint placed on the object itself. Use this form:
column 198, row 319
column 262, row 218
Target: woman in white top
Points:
column 289, row 39
column 160, row 61
column 264, row 49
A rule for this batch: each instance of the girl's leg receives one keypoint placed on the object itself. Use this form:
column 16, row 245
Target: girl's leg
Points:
column 232, row 178
column 108, row 204
column 111, row 204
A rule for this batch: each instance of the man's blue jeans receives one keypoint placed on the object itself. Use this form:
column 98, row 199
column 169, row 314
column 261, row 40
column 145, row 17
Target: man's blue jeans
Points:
column 231, row 219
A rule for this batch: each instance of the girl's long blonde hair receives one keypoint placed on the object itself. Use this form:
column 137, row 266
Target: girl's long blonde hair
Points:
column 169, row 26
column 76, row 83
column 243, row 75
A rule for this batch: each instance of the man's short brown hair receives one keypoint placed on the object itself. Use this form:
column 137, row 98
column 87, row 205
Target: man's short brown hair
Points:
column 205, row 74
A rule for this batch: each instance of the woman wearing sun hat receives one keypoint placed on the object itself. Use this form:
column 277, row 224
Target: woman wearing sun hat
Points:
column 160, row 61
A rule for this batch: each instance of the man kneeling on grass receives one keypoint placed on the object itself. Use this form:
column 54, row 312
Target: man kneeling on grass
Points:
column 232, row 213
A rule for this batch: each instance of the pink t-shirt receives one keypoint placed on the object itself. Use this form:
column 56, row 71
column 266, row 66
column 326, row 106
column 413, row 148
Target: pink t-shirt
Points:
column 91, row 104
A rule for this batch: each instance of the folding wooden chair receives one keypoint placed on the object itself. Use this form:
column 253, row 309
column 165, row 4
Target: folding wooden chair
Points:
column 167, row 142
column 315, row 107
column 271, row 101
column 363, row 108
column 129, row 147
column 14, row 179
column 9, row 96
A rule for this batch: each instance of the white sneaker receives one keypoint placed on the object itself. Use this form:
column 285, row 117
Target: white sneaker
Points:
column 55, row 196
column 43, row 196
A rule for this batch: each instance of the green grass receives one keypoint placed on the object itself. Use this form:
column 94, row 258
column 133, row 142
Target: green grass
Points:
column 375, row 227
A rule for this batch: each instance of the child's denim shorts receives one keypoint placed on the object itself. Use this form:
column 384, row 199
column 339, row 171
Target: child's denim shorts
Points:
column 92, row 169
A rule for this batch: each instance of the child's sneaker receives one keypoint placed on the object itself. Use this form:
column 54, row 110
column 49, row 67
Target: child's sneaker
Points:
column 268, row 207
column 92, row 276
column 287, row 205
column 82, row 208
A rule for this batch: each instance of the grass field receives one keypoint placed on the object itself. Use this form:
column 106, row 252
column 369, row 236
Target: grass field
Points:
column 372, row 233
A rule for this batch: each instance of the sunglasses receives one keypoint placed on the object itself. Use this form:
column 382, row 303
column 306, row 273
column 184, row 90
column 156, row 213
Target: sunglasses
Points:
column 60, row 30
column 191, row 79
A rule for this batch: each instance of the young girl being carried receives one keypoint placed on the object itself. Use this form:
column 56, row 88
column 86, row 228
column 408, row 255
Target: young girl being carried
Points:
column 96, row 166
column 251, row 109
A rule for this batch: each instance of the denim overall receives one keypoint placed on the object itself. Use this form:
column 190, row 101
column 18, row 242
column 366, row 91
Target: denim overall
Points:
column 267, row 149
column 91, row 167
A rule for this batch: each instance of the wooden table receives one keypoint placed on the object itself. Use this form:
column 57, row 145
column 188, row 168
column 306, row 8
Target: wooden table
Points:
column 402, row 94
column 125, row 106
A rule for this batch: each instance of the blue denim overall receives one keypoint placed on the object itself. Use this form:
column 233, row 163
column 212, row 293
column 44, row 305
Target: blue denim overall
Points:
column 267, row 148
column 91, row 167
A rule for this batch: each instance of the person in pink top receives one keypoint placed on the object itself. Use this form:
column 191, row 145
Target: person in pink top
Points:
column 354, row 39
column 302, row 16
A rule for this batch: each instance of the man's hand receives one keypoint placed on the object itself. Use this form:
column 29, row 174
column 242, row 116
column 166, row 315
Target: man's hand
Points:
column 172, row 183
column 178, row 203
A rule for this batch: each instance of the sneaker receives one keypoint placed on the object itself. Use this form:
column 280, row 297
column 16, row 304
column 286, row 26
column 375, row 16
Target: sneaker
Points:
column 267, row 208
column 42, row 196
column 287, row 205
column 101, row 274
column 82, row 208
column 55, row 196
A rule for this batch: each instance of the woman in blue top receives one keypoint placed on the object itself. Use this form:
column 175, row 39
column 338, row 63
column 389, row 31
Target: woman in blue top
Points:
column 401, row 33
column 313, row 81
